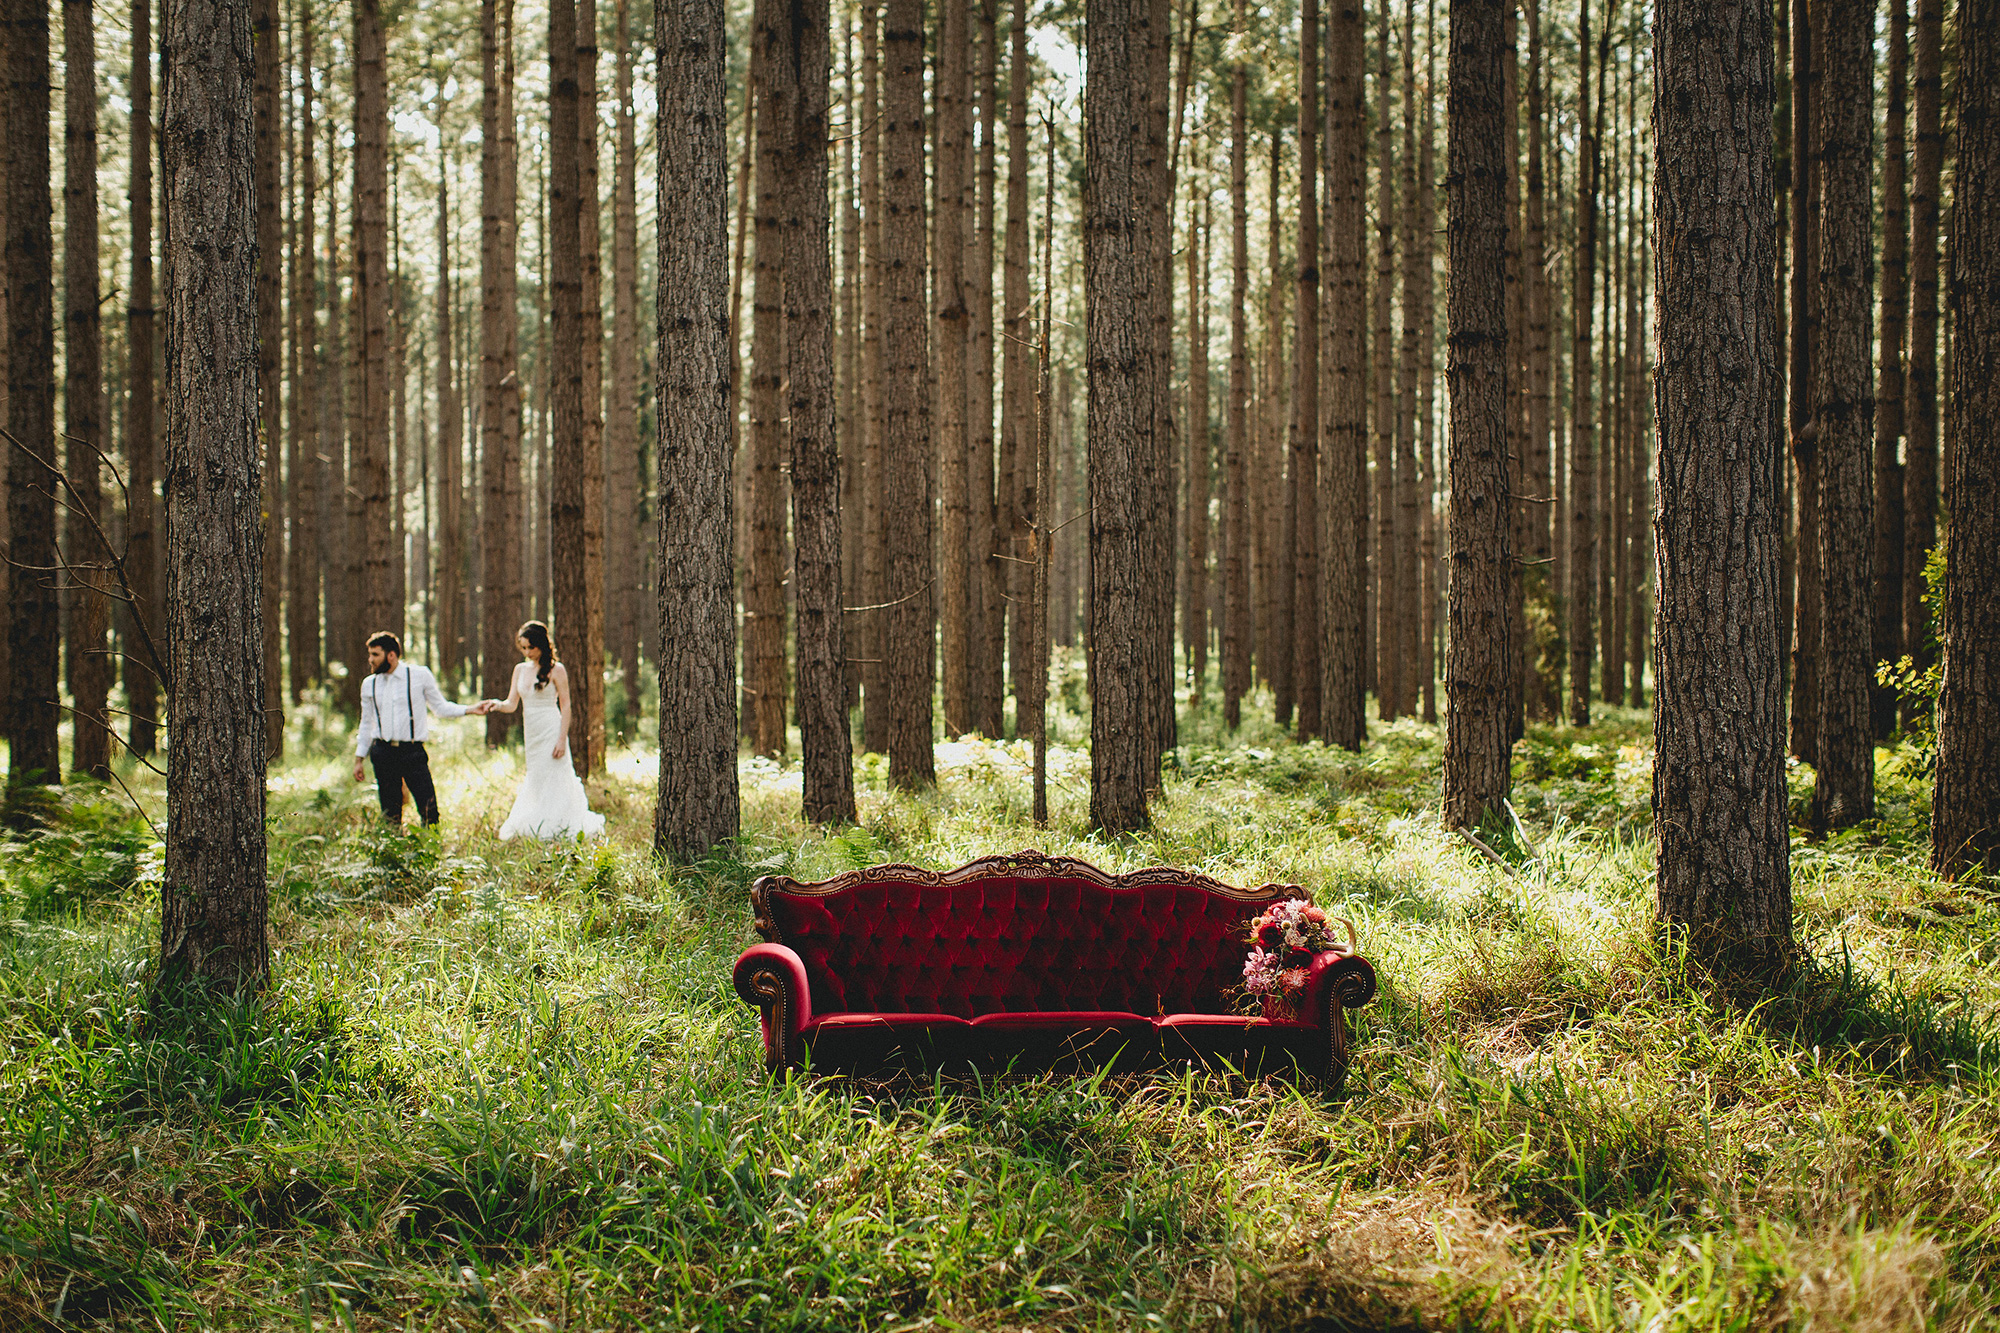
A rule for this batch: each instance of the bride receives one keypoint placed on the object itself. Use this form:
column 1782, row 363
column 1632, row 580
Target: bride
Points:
column 552, row 803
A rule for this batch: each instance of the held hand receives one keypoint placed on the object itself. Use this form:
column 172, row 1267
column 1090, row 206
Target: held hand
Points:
column 482, row 708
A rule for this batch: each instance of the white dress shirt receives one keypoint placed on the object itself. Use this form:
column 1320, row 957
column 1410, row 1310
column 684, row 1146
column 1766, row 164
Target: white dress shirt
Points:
column 389, row 709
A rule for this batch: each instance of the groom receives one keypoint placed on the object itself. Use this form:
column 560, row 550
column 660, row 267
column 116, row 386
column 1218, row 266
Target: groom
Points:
column 393, row 728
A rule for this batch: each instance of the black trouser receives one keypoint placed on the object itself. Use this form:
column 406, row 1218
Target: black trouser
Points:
column 396, row 765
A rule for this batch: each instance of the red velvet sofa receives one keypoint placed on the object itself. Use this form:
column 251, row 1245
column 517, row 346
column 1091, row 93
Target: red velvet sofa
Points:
column 1029, row 961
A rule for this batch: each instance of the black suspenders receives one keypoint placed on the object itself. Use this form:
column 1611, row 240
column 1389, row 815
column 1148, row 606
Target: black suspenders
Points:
column 409, row 697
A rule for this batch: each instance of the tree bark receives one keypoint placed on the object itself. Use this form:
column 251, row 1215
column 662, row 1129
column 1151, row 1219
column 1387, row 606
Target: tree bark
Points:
column 142, row 687
column 1845, row 410
column 1479, row 663
column 1805, row 333
column 83, row 396
column 270, row 358
column 764, row 683
column 1887, row 594
column 1303, row 487
column 303, row 553
column 34, row 624
column 1389, row 670
column 1020, row 498
column 1194, row 604
column 212, row 895
column 803, row 51
column 1427, row 373
column 1416, row 276
column 908, row 591
column 1920, row 402
column 1117, row 271
column 586, row 638
column 623, row 493
column 871, row 628
column 949, row 310
column 453, row 640
column 1236, row 608
column 1583, row 490
column 1275, row 522
column 1719, row 726
column 1965, row 808
column 989, row 583
column 1344, row 457
column 368, row 441
column 1541, row 672
column 501, row 584
column 572, row 445
column 697, row 805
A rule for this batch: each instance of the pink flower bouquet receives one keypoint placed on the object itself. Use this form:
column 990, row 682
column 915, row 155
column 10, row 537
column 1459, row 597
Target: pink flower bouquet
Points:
column 1283, row 943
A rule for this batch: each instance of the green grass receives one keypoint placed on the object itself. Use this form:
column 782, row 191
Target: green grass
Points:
column 495, row 1086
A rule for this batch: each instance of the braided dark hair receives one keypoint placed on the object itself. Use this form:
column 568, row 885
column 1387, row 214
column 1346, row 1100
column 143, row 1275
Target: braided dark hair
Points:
column 537, row 635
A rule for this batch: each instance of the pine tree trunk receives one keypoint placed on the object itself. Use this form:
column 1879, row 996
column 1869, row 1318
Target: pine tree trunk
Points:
column 764, row 683
column 369, row 439
column 212, row 895
column 1583, row 497
column 1388, row 669
column 802, row 51
column 908, row 590
column 1236, row 608
column 697, row 805
column 1429, row 582
column 1920, row 402
column 142, row 687
column 83, row 396
column 1344, row 459
column 34, row 624
column 1117, row 272
column 303, row 552
column 1541, row 671
column 342, row 489
column 1804, row 330
column 1845, row 417
column 1965, row 808
column 453, row 639
column 499, row 388
column 1305, row 423
column 871, row 639
column 1887, row 594
column 1480, row 663
column 1194, row 613
column 1719, row 725
column 1416, row 277
column 270, row 356
column 854, row 481
column 624, row 571
column 1018, row 495
column 587, row 648
column 573, row 447
column 1278, row 566
column 987, row 545
column 1519, row 287
column 949, row 310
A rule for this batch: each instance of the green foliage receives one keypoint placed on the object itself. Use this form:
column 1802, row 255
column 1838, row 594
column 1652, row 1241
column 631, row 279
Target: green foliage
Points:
column 1917, row 687
column 492, row 1084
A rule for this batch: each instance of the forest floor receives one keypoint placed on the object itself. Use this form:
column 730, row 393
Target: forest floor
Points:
column 499, row 1086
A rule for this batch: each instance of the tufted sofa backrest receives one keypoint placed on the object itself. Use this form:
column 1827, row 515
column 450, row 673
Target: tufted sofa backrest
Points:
column 1016, row 933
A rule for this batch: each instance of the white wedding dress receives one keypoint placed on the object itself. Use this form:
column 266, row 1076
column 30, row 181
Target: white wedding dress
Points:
column 552, row 803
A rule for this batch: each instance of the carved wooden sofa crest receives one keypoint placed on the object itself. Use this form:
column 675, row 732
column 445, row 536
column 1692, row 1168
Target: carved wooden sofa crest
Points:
column 1029, row 961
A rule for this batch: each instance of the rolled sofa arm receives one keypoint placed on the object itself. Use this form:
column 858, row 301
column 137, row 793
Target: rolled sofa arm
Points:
column 1349, row 976
column 773, row 979
column 1336, row 981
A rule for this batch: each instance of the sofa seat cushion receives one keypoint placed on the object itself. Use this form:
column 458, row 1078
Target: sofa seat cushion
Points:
column 1233, row 1022
column 874, row 1041
column 1063, row 1020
